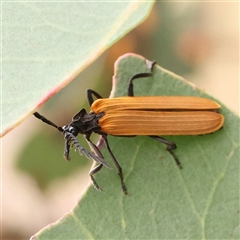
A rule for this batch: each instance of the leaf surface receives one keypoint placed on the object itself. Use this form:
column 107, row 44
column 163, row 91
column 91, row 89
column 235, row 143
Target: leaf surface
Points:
column 200, row 201
column 47, row 44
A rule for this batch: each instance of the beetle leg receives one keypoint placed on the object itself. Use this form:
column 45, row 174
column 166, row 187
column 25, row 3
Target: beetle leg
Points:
column 100, row 158
column 93, row 171
column 98, row 167
column 119, row 169
column 170, row 146
column 90, row 94
column 137, row 76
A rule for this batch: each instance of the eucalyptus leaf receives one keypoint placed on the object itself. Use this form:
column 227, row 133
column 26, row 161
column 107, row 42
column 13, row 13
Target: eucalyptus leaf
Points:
column 47, row 44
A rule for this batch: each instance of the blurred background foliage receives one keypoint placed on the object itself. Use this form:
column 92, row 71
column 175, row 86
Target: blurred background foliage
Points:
column 174, row 35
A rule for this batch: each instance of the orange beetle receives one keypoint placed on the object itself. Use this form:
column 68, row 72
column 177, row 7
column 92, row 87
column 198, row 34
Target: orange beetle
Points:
column 131, row 116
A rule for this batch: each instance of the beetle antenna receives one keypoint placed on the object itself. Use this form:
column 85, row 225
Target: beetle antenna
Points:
column 73, row 141
column 45, row 120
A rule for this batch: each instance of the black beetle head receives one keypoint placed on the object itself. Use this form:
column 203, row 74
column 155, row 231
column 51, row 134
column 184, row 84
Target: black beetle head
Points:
column 70, row 129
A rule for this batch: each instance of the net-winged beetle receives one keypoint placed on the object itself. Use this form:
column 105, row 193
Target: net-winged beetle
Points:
column 131, row 116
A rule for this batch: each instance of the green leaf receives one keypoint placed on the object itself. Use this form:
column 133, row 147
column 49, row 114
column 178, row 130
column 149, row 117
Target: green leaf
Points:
column 47, row 44
column 200, row 201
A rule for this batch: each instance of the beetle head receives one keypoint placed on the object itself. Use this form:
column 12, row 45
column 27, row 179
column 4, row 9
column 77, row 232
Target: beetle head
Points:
column 77, row 124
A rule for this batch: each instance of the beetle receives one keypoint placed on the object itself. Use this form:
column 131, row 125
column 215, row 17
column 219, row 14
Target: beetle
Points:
column 143, row 115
